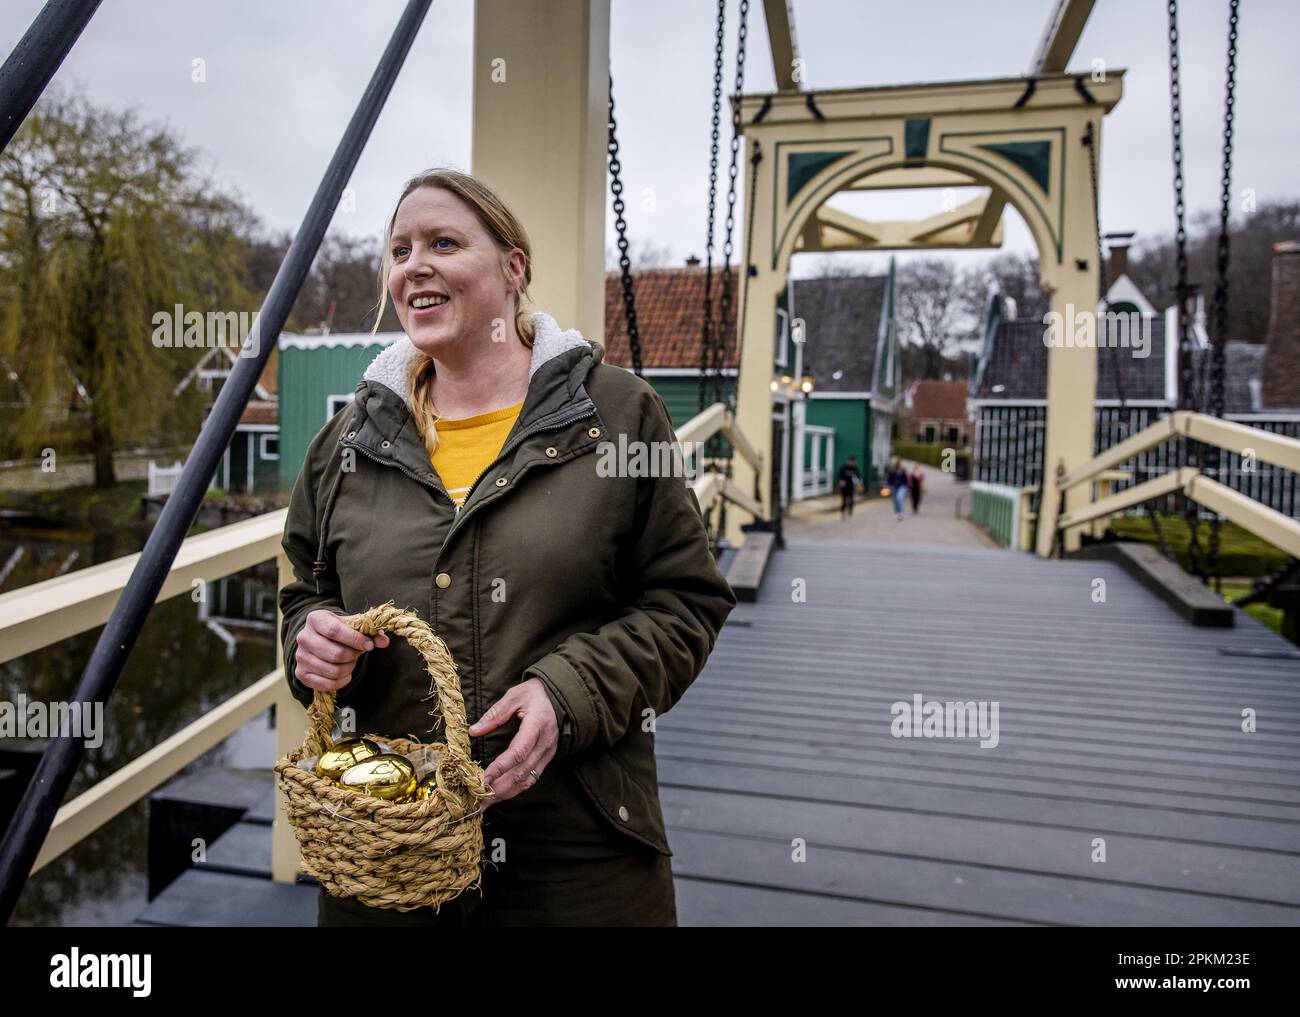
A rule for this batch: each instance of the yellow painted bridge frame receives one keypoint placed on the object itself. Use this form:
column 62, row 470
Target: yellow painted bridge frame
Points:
column 1022, row 139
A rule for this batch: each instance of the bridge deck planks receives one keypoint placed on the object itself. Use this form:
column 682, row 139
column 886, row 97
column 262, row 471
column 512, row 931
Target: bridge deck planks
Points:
column 1118, row 720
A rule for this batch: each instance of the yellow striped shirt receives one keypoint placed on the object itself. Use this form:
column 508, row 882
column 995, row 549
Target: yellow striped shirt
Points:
column 467, row 446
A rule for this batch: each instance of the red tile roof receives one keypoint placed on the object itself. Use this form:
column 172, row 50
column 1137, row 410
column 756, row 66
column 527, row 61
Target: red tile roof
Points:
column 260, row 412
column 669, row 316
column 939, row 400
column 270, row 377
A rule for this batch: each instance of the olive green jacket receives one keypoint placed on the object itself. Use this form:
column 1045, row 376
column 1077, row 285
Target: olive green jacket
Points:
column 603, row 586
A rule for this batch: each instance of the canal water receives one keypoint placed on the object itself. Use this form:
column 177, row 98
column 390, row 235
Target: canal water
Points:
column 190, row 657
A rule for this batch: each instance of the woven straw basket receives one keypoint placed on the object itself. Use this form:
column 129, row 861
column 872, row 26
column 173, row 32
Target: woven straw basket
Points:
column 387, row 855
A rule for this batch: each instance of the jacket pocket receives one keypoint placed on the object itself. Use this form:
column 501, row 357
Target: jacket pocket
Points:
column 621, row 799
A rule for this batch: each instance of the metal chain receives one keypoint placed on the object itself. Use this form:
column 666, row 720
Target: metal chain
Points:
column 748, row 267
column 1224, row 252
column 725, row 325
column 1186, row 393
column 706, row 340
column 754, row 160
column 620, row 224
column 1223, row 259
column 1187, row 396
column 725, row 301
column 1263, row 588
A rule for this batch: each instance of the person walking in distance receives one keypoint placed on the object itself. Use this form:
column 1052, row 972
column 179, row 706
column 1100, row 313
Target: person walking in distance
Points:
column 850, row 478
column 897, row 481
column 916, row 486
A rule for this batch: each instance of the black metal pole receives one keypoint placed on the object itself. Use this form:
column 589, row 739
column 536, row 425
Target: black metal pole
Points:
column 54, row 773
column 36, row 57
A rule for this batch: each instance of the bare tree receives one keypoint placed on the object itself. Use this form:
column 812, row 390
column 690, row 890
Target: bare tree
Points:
column 1013, row 275
column 930, row 311
column 1153, row 267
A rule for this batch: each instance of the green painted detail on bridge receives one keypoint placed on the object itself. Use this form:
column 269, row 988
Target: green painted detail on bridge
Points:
column 803, row 166
column 1034, row 157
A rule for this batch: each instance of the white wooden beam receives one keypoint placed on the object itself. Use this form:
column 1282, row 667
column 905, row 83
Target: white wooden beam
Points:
column 45, row 613
column 117, row 792
column 1065, row 24
column 1266, row 523
column 1168, row 483
column 780, row 34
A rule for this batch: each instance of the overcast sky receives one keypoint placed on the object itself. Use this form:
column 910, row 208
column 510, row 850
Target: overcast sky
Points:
column 283, row 77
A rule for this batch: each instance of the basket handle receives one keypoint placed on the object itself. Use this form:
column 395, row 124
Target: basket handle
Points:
column 438, row 662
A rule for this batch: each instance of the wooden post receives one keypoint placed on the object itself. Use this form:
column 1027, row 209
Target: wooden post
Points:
column 541, row 96
column 1071, row 369
column 290, row 729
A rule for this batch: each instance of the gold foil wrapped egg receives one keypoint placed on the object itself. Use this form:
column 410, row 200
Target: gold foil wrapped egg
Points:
column 336, row 761
column 389, row 777
column 426, row 789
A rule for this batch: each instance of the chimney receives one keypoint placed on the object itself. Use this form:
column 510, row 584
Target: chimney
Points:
column 1118, row 244
column 1282, row 359
column 692, row 261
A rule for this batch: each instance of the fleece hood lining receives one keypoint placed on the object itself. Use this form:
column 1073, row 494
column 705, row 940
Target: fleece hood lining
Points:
column 390, row 367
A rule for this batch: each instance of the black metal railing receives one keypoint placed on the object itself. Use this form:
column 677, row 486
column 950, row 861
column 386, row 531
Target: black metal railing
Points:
column 49, row 38
column 36, row 57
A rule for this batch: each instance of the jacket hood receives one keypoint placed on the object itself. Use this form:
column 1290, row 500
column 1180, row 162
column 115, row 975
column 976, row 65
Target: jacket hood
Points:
column 391, row 366
column 382, row 424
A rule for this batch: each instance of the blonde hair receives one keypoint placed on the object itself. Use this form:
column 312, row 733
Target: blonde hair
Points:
column 508, row 233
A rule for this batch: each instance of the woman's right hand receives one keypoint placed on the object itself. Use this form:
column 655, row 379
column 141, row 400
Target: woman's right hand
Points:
column 328, row 649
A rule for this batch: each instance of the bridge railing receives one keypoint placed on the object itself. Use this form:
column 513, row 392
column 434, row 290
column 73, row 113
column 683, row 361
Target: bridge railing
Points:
column 712, row 485
column 1266, row 523
column 1004, row 513
column 44, row 613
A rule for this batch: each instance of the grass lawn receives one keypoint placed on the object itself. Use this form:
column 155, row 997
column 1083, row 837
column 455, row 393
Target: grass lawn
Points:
column 1241, row 553
column 1269, row 616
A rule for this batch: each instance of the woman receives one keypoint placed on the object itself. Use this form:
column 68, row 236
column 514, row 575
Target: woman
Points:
column 916, row 486
column 897, row 481
column 578, row 606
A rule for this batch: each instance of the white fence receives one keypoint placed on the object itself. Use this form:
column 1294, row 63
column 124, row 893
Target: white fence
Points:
column 162, row 479
column 818, row 475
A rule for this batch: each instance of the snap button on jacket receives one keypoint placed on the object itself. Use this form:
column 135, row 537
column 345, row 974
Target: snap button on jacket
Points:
column 597, row 582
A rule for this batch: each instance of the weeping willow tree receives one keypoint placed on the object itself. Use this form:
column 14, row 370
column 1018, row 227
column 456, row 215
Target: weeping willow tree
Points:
column 104, row 224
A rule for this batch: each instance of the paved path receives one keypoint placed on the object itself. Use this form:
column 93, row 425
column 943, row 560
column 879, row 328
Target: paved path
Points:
column 873, row 522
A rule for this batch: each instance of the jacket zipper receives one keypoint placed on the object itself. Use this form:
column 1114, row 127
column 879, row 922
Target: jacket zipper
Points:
column 510, row 446
column 385, row 462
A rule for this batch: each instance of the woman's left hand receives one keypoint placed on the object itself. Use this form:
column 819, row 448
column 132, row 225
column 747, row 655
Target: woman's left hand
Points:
column 533, row 745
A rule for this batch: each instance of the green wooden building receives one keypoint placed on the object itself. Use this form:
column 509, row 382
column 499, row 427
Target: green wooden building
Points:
column 850, row 348
column 835, row 366
column 318, row 376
